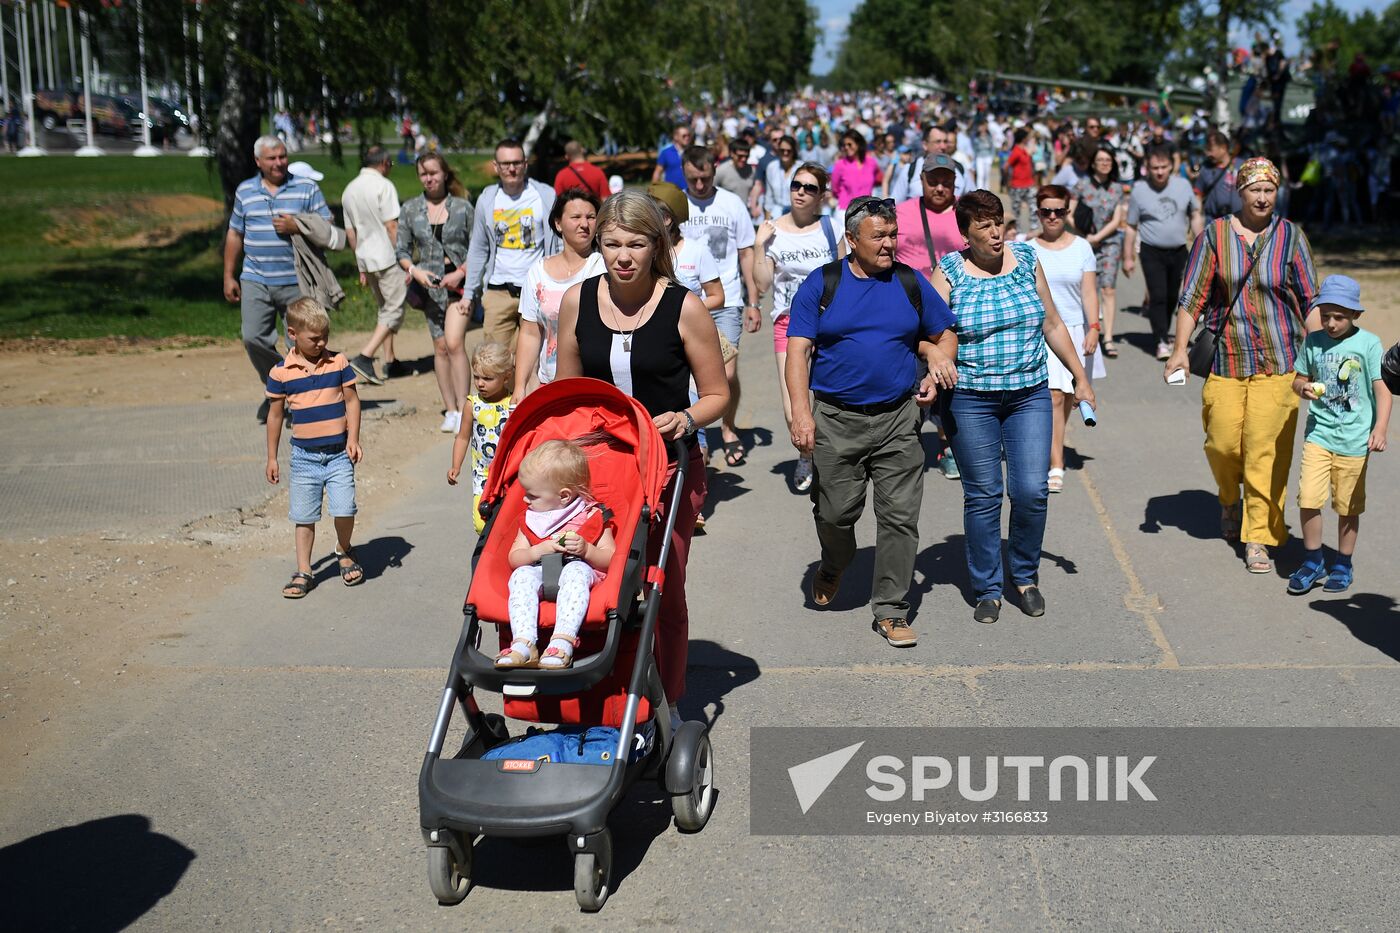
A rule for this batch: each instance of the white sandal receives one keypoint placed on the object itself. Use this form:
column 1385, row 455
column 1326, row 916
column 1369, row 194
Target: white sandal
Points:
column 1056, row 480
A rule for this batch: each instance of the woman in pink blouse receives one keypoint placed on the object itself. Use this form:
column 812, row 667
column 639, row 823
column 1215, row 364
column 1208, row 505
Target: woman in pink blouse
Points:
column 854, row 175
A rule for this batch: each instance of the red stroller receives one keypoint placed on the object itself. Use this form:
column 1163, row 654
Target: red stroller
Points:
column 613, row 682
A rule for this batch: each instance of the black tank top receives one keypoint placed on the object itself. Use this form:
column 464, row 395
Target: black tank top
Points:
column 655, row 371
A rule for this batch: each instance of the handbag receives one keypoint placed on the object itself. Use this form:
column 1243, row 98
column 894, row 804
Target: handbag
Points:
column 1084, row 219
column 1201, row 360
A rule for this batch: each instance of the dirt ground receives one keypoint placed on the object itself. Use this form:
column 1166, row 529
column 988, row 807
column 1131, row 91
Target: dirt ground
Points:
column 154, row 220
column 75, row 609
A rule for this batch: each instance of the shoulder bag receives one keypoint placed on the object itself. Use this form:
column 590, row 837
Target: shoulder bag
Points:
column 1201, row 360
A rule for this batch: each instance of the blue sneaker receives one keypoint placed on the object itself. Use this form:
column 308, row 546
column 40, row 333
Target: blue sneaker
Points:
column 948, row 464
column 1305, row 578
column 1338, row 578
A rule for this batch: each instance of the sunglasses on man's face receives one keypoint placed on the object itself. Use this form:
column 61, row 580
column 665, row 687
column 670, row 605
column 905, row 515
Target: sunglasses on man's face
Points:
column 1048, row 212
column 811, row 189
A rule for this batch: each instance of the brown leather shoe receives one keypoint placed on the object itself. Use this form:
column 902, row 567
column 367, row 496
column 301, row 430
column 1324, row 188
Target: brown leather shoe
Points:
column 824, row 586
column 897, row 632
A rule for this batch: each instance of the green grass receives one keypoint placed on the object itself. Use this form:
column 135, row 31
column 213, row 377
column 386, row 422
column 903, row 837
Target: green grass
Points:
column 99, row 289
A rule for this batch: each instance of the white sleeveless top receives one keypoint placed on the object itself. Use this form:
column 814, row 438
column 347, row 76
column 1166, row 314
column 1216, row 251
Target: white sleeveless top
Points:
column 795, row 256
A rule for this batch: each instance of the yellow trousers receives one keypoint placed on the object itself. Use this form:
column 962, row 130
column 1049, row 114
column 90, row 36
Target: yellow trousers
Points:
column 1250, row 424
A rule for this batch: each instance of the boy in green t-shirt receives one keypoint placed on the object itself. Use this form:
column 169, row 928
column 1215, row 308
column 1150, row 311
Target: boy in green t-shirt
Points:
column 1339, row 373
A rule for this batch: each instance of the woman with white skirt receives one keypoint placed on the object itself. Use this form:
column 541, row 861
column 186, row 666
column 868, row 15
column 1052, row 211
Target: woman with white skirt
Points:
column 1070, row 271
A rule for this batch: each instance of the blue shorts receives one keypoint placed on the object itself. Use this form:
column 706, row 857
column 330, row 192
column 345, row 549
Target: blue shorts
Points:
column 730, row 322
column 313, row 471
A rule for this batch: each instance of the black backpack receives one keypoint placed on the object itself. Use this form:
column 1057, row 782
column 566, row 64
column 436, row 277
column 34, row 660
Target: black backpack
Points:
column 831, row 278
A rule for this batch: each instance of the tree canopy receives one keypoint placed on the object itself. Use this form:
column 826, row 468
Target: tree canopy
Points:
column 1123, row 44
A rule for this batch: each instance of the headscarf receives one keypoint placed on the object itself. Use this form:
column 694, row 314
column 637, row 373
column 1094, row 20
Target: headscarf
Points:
column 1256, row 170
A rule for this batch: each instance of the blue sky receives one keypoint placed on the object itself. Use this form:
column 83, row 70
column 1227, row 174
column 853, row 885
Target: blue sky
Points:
column 833, row 15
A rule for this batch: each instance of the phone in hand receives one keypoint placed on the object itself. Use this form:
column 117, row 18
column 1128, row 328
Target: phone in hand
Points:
column 434, row 280
column 1177, row 377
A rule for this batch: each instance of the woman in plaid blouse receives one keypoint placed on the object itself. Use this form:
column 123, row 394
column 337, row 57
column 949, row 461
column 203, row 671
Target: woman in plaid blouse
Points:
column 1248, row 404
column 1001, row 402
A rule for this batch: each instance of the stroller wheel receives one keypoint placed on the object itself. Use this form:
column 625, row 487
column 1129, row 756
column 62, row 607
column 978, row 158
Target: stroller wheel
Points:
column 449, row 878
column 593, row 874
column 691, row 750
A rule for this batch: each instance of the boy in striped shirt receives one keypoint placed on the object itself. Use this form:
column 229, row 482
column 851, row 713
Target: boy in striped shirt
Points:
column 319, row 385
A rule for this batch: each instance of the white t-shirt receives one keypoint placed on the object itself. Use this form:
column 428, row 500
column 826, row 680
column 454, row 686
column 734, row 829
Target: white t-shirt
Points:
column 724, row 225
column 370, row 201
column 1064, row 273
column 695, row 266
column 539, row 304
column 795, row 256
column 515, row 223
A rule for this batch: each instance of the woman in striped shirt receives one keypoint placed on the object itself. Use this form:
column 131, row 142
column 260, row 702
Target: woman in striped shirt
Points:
column 1252, row 275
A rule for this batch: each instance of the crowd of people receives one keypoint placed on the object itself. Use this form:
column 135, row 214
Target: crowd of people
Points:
column 899, row 289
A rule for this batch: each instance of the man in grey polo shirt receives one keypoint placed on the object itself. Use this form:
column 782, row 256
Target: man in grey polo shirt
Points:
column 904, row 183
column 1164, row 212
column 260, row 228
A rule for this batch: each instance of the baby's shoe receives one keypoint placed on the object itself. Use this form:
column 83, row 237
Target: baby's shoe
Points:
column 1338, row 577
column 559, row 655
column 520, row 654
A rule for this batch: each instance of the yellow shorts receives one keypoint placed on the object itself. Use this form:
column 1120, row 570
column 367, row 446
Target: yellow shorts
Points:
column 1346, row 476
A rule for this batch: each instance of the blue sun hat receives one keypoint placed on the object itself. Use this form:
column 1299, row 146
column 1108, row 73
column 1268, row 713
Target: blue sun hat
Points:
column 1342, row 291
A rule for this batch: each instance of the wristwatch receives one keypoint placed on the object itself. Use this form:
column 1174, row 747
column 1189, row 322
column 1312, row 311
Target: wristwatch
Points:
column 690, row 426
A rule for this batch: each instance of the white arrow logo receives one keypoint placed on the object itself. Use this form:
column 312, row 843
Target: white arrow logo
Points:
column 811, row 778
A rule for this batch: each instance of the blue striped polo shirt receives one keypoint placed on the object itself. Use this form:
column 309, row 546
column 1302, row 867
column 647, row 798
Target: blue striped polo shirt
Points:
column 315, row 392
column 267, row 257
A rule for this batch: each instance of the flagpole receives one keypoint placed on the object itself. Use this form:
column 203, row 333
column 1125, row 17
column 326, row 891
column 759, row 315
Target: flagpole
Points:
column 26, row 89
column 145, row 150
column 89, row 147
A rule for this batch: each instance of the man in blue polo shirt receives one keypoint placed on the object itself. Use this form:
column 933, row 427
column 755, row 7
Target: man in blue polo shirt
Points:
column 859, row 359
column 261, row 227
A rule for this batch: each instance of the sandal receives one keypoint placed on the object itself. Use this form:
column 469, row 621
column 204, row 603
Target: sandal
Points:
column 700, row 523
column 351, row 574
column 1056, row 480
column 1256, row 559
column 1231, row 517
column 559, row 655
column 1110, row 349
column 510, row 658
column 734, row 452
column 300, row 584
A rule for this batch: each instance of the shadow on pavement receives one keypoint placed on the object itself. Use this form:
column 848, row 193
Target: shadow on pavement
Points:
column 102, row 875
column 724, row 485
column 375, row 556
column 1194, row 511
column 713, row 671
column 1370, row 617
column 942, row 564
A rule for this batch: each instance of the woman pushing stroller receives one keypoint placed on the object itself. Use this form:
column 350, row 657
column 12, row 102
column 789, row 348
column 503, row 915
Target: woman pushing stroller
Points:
column 637, row 329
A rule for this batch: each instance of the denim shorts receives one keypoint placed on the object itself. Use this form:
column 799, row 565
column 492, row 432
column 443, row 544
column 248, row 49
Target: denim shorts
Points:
column 314, row 470
column 730, row 322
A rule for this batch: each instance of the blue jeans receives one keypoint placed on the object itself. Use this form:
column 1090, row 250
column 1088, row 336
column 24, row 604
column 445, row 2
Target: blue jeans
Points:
column 982, row 428
column 316, row 471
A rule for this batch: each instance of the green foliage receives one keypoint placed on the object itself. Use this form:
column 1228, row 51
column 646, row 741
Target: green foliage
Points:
column 1374, row 35
column 950, row 40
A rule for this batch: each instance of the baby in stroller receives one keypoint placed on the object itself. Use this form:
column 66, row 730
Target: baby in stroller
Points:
column 561, row 517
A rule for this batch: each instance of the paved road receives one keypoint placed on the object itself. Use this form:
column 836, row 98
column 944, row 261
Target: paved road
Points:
column 257, row 767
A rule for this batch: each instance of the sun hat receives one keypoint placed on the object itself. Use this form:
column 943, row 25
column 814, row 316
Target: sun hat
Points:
column 1342, row 291
column 304, row 170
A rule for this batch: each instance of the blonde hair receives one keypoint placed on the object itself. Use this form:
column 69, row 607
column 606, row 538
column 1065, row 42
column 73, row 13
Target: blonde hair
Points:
column 307, row 314
column 559, row 463
column 636, row 212
column 492, row 357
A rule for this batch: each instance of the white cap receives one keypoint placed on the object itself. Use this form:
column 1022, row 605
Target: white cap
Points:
column 614, row 183
column 304, row 170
